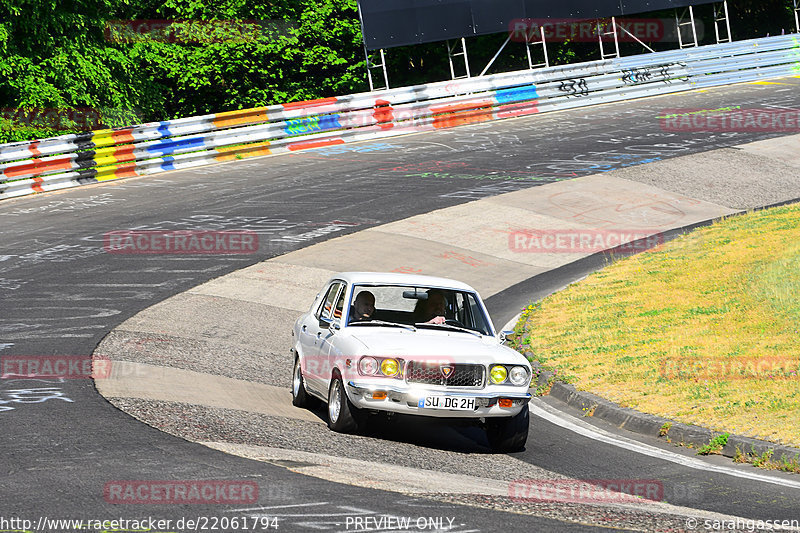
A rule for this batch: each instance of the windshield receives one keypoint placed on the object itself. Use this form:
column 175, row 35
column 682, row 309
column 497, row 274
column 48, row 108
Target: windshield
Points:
column 429, row 307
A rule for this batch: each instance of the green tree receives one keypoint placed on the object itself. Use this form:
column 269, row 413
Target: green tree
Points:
column 215, row 56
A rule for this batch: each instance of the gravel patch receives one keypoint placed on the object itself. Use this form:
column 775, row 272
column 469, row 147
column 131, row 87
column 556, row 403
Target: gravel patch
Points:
column 448, row 448
column 207, row 356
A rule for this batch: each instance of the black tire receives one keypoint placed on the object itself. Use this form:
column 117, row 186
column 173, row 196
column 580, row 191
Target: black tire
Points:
column 300, row 396
column 509, row 434
column 343, row 416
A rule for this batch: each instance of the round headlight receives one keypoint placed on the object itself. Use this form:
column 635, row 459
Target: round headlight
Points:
column 368, row 366
column 518, row 375
column 390, row 367
column 498, row 374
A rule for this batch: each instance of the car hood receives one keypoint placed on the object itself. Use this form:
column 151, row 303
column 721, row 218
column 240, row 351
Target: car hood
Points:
column 436, row 344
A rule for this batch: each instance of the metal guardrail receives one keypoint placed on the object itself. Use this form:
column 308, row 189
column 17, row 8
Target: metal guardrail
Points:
column 78, row 159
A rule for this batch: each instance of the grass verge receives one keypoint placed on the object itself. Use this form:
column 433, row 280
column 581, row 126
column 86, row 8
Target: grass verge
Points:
column 703, row 330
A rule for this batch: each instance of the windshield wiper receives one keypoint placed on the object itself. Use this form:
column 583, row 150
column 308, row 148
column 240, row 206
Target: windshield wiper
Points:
column 449, row 326
column 382, row 323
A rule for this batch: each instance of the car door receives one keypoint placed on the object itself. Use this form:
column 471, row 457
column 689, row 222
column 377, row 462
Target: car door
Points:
column 313, row 336
column 328, row 349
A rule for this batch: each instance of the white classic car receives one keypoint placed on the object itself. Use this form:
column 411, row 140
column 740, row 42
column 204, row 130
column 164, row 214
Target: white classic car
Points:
column 410, row 344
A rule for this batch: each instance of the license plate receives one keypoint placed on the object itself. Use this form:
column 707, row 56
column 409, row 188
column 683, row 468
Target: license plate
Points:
column 447, row 402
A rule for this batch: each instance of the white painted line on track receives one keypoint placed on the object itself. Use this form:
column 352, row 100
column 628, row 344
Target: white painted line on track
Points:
column 511, row 323
column 348, row 511
column 568, row 422
column 265, row 508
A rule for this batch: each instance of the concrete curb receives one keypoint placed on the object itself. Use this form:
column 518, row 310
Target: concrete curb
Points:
column 651, row 425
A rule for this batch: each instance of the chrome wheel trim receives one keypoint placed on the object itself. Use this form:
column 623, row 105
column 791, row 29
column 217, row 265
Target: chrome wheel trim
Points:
column 297, row 379
column 335, row 402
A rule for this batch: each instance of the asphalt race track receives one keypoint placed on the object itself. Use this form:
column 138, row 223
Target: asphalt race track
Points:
column 62, row 293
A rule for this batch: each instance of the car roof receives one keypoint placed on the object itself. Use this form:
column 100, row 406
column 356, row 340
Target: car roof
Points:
column 396, row 278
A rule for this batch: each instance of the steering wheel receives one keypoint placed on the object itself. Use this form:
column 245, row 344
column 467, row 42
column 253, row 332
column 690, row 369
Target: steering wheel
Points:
column 453, row 322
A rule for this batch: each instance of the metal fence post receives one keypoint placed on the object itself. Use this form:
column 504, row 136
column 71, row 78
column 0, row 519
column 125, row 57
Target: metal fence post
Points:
column 451, row 55
column 721, row 15
column 371, row 65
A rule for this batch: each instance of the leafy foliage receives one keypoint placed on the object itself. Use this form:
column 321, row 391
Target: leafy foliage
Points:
column 715, row 445
column 143, row 60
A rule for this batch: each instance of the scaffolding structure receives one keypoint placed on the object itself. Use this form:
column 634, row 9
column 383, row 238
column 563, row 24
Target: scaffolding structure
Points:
column 541, row 42
column 451, row 54
column 373, row 65
column 608, row 32
column 797, row 14
column 602, row 31
column 721, row 15
column 686, row 19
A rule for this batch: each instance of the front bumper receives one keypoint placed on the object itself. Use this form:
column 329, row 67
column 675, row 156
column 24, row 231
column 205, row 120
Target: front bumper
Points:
column 404, row 398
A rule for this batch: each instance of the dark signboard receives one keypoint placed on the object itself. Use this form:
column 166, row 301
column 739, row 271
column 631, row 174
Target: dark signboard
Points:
column 391, row 23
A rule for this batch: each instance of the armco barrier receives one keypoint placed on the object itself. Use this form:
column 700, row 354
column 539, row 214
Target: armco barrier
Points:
column 72, row 160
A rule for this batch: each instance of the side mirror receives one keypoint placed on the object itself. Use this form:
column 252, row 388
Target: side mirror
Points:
column 504, row 335
column 327, row 323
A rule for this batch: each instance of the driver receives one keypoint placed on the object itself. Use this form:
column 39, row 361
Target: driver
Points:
column 363, row 307
column 432, row 309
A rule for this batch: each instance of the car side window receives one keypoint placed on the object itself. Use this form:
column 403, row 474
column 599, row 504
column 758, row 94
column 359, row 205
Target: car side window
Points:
column 469, row 313
column 326, row 309
column 477, row 318
column 461, row 311
column 339, row 307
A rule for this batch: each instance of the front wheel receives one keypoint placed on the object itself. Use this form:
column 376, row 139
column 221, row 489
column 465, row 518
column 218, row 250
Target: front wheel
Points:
column 509, row 434
column 300, row 396
column 343, row 416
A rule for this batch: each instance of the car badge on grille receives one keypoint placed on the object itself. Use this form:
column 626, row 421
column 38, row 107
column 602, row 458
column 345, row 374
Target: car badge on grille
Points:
column 447, row 370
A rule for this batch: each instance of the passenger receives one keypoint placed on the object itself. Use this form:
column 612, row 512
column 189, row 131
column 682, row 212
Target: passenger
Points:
column 432, row 309
column 363, row 307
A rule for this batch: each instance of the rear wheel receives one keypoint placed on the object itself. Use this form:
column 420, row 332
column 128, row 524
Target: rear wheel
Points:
column 300, row 397
column 509, row 434
column 343, row 416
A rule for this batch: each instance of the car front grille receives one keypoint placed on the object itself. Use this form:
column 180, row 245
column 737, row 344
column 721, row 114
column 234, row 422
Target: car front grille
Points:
column 463, row 375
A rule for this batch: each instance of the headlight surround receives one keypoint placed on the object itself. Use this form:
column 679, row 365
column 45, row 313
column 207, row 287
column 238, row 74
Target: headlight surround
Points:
column 381, row 367
column 518, row 375
column 390, row 367
column 498, row 374
column 368, row 366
